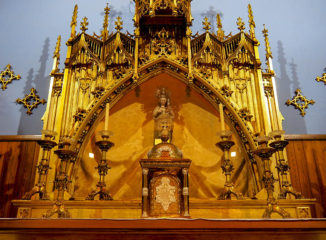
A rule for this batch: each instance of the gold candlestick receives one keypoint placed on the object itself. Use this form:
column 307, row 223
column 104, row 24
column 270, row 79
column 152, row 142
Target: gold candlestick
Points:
column 61, row 182
column 104, row 144
column 265, row 152
column 227, row 167
column 46, row 144
column 282, row 166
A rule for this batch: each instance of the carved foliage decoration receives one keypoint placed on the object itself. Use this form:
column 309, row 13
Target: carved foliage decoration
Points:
column 31, row 101
column 226, row 91
column 162, row 44
column 7, row 76
column 300, row 102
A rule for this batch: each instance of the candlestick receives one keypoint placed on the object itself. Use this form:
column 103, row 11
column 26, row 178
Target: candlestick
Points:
column 107, row 109
column 222, row 117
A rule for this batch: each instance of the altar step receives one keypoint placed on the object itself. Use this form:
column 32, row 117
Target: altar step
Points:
column 210, row 209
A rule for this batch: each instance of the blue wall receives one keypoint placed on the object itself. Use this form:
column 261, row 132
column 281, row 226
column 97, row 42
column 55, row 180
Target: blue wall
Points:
column 29, row 30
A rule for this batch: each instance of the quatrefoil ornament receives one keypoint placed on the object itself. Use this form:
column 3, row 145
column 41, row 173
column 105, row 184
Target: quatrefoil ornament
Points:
column 300, row 102
column 31, row 101
column 7, row 76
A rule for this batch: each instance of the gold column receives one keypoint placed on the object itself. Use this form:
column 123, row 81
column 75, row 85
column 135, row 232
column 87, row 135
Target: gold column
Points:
column 190, row 74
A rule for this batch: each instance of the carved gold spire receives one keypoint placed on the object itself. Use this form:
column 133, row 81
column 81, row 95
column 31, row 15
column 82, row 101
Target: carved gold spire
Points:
column 84, row 24
column 268, row 48
column 105, row 31
column 207, row 24
column 57, row 48
column 241, row 24
column 118, row 24
column 74, row 22
column 252, row 23
column 220, row 32
column 56, row 55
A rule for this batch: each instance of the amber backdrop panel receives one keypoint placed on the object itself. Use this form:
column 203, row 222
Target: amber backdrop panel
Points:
column 18, row 160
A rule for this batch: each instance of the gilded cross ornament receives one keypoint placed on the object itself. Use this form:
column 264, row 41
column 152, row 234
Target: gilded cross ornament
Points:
column 241, row 24
column 7, row 76
column 322, row 78
column 118, row 24
column 31, row 101
column 84, row 24
column 300, row 102
column 207, row 24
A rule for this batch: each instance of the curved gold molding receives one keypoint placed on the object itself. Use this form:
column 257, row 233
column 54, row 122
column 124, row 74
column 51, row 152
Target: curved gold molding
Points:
column 211, row 94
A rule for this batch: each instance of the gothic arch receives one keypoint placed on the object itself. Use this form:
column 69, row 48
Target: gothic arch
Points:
column 164, row 65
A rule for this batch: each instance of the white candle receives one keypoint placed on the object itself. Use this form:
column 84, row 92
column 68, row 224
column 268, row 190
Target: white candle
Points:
column 106, row 123
column 222, row 117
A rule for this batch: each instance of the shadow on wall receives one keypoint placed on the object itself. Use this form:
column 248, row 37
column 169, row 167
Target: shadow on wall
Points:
column 32, row 124
column 293, row 122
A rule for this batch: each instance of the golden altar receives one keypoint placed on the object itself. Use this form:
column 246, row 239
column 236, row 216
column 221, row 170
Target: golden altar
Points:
column 214, row 101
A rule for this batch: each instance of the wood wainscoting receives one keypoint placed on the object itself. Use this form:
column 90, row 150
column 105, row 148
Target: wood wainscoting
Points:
column 307, row 159
column 19, row 154
column 18, row 160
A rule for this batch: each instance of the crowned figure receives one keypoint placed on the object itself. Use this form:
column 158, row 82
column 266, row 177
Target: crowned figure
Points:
column 163, row 116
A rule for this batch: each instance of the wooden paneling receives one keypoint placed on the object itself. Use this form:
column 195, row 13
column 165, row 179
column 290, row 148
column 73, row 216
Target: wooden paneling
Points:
column 308, row 170
column 18, row 161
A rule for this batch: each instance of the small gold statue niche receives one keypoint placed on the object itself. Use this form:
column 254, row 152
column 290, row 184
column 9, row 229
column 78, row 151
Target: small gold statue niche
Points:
column 163, row 117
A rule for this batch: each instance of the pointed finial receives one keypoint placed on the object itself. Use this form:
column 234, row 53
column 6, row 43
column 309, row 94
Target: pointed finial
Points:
column 207, row 24
column 57, row 48
column 252, row 23
column 220, row 32
column 73, row 23
column 105, row 31
column 268, row 48
column 84, row 24
column 241, row 24
column 118, row 24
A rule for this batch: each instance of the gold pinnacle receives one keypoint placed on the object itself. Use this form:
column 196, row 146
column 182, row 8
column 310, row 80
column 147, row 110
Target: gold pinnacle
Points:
column 57, row 48
column 268, row 48
column 251, row 16
column 105, row 31
column 106, row 17
column 84, row 24
column 220, row 32
column 241, row 24
column 118, row 24
column 74, row 22
column 206, row 24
